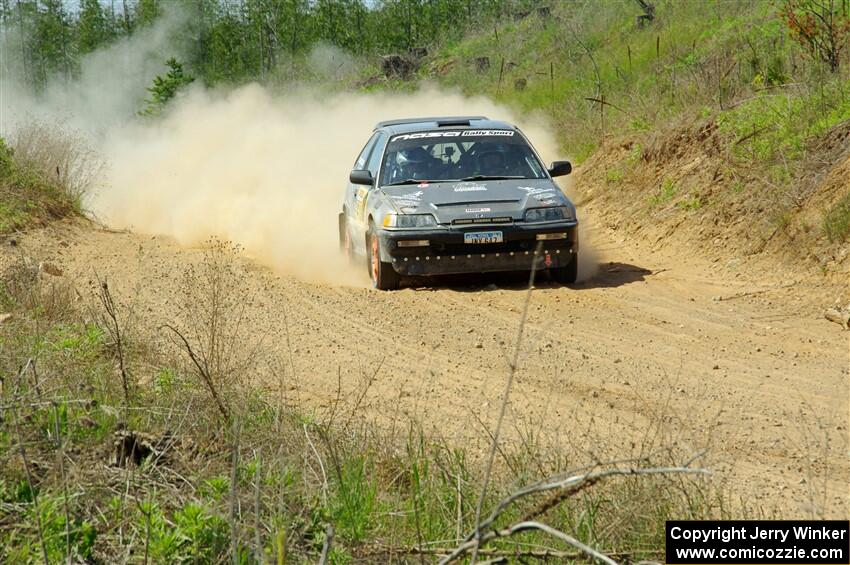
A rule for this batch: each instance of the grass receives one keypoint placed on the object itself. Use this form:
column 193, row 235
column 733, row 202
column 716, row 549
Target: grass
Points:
column 648, row 75
column 780, row 126
column 836, row 222
column 729, row 65
column 666, row 192
column 44, row 177
column 296, row 473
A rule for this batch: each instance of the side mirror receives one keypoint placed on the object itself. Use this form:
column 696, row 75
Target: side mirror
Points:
column 358, row 176
column 559, row 168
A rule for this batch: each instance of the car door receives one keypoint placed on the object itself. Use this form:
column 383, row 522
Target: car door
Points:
column 373, row 165
column 355, row 194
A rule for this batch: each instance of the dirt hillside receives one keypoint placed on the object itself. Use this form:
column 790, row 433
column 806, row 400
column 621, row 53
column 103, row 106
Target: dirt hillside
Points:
column 685, row 187
column 658, row 347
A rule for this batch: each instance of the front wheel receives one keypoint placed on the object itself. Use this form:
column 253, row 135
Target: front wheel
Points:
column 382, row 274
column 568, row 273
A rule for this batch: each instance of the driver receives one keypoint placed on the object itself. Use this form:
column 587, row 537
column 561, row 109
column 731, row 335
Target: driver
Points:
column 414, row 163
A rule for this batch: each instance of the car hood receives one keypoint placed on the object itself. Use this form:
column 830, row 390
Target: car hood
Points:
column 450, row 201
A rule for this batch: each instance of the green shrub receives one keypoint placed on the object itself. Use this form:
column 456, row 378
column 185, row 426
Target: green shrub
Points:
column 45, row 177
column 836, row 222
column 356, row 499
column 666, row 193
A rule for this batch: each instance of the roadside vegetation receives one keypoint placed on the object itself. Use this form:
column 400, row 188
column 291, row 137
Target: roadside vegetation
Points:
column 43, row 177
column 769, row 78
column 737, row 110
column 155, row 443
column 136, row 440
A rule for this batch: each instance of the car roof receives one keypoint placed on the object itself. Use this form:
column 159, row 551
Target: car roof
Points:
column 409, row 125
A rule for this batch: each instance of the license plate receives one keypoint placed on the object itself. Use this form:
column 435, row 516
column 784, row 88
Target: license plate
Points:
column 483, row 237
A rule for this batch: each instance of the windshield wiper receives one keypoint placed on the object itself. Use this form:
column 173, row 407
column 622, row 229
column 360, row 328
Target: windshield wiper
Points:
column 493, row 177
column 407, row 181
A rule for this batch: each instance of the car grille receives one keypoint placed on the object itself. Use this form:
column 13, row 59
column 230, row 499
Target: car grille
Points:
column 475, row 221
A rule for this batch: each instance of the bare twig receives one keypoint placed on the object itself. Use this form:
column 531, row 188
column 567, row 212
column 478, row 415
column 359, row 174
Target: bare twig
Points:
column 23, row 452
column 234, row 476
column 321, row 466
column 525, row 526
column 572, row 484
column 494, row 446
column 203, row 372
column 30, row 484
column 114, row 329
column 258, row 546
column 326, row 548
column 60, row 454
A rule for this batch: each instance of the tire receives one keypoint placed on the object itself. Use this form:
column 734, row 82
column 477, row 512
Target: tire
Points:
column 382, row 274
column 567, row 274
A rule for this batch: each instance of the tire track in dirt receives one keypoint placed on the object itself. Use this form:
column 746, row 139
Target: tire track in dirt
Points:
column 643, row 348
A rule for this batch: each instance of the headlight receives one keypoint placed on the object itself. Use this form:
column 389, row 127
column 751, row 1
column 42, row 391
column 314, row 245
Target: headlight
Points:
column 552, row 214
column 409, row 221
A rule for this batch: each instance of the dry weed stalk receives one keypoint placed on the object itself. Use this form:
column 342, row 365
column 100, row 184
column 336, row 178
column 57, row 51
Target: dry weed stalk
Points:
column 234, row 500
column 60, row 455
column 60, row 155
column 27, row 471
column 326, row 548
column 115, row 332
column 565, row 487
column 213, row 313
column 494, row 446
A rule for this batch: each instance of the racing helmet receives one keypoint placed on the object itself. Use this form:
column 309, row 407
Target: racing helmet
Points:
column 414, row 162
column 493, row 157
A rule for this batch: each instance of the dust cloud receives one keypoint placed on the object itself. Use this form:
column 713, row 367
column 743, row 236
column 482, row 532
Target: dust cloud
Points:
column 267, row 172
column 265, row 169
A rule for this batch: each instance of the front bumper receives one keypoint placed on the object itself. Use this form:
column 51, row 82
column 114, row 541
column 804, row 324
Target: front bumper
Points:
column 446, row 252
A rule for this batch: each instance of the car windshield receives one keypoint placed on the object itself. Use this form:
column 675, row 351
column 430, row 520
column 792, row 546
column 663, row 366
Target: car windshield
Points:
column 453, row 155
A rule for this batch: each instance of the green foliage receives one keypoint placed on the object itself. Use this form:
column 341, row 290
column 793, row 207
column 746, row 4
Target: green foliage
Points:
column 165, row 88
column 777, row 128
column 690, row 203
column 58, row 534
column 94, row 28
column 147, row 11
column 355, row 502
column 614, row 175
column 206, row 535
column 166, row 381
column 29, row 194
column 666, row 192
column 165, row 541
column 215, row 488
column 821, row 28
column 836, row 222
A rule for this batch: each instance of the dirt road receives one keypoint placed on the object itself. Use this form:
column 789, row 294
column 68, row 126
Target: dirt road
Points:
column 654, row 348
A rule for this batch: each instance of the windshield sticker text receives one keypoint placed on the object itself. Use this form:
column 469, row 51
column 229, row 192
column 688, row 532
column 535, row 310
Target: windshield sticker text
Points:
column 464, row 133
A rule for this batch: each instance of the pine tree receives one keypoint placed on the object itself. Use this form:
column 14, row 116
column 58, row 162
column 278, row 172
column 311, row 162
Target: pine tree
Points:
column 51, row 37
column 147, row 11
column 165, row 88
column 93, row 27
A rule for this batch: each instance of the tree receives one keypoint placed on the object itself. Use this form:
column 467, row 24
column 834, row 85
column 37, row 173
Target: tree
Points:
column 50, row 40
column 822, row 27
column 165, row 88
column 147, row 11
column 93, row 27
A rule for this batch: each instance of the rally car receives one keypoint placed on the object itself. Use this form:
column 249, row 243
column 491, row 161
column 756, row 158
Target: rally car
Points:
column 435, row 196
